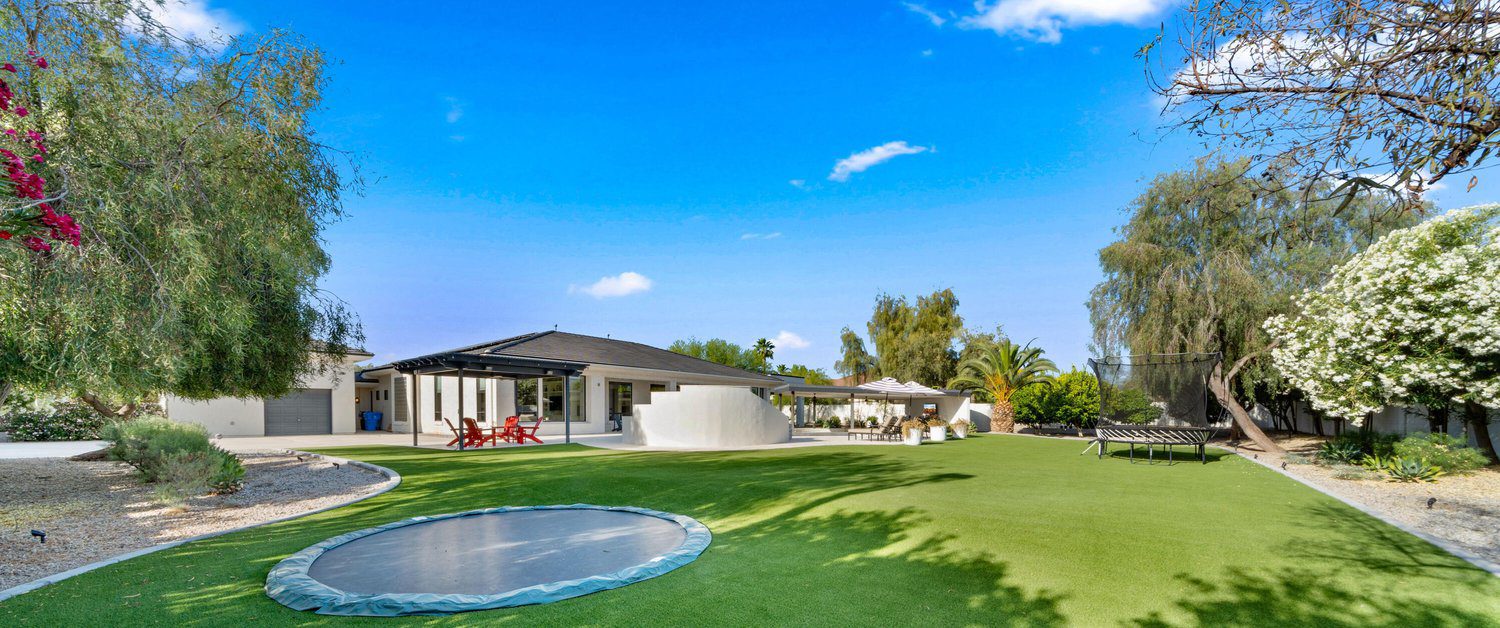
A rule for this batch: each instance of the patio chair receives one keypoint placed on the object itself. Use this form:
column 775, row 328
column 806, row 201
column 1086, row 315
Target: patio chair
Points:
column 871, row 433
column 493, row 437
column 470, row 435
column 510, row 431
column 524, row 434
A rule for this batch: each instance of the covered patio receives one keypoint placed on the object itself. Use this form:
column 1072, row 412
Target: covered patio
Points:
column 951, row 405
column 482, row 366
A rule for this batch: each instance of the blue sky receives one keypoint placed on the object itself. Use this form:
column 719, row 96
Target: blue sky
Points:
column 519, row 153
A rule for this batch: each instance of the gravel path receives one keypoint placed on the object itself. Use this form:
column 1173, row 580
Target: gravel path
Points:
column 1466, row 513
column 95, row 510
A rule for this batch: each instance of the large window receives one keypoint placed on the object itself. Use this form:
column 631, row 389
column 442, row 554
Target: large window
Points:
column 621, row 398
column 552, row 398
column 479, row 405
column 437, row 399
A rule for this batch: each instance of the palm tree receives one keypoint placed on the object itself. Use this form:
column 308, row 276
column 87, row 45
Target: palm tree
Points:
column 999, row 371
column 765, row 349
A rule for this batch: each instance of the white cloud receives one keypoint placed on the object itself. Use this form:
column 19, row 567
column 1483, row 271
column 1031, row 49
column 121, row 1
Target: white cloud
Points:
column 620, row 285
column 1044, row 20
column 789, row 340
column 190, row 19
column 457, row 138
column 870, row 157
column 455, row 109
column 800, row 184
column 761, row 236
column 937, row 20
column 927, row 52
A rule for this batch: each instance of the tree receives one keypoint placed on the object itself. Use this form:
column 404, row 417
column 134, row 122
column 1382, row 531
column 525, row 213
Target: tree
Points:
column 816, row 377
column 914, row 341
column 1414, row 319
column 1394, row 94
column 855, row 360
column 998, row 373
column 1207, row 256
column 1071, row 399
column 718, row 351
column 764, row 350
column 201, row 194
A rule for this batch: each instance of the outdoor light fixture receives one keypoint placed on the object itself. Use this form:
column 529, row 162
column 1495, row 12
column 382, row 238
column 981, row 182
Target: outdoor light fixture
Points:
column 1430, row 502
column 42, row 536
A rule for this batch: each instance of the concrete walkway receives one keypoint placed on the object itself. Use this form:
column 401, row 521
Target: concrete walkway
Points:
column 50, row 449
column 249, row 444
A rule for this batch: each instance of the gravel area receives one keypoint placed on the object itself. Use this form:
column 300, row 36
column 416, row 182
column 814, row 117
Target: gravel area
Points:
column 1466, row 513
column 94, row 510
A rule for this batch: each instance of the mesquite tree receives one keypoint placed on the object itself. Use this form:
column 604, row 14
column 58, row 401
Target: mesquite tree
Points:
column 1398, row 94
column 201, row 194
column 1207, row 256
column 1414, row 319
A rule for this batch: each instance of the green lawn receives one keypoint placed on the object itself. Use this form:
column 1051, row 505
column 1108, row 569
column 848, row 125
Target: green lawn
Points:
column 991, row 530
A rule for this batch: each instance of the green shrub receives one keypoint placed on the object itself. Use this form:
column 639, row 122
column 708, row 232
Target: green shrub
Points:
column 176, row 453
column 1369, row 443
column 1447, row 453
column 1336, row 452
column 1071, row 399
column 61, row 422
column 1133, row 406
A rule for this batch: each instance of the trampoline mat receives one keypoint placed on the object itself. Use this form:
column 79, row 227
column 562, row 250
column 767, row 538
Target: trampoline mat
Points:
column 496, row 552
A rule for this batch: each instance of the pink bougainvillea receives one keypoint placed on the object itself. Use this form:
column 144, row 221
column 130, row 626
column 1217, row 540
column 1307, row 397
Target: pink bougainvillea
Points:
column 28, row 216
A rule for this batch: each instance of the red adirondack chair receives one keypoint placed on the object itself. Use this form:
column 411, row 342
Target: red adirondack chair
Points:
column 473, row 427
column 511, row 433
column 472, row 436
column 529, row 433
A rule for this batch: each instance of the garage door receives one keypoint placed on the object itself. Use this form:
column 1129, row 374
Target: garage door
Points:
column 307, row 411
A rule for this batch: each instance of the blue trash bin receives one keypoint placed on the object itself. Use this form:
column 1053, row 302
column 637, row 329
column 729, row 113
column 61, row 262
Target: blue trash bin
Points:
column 372, row 420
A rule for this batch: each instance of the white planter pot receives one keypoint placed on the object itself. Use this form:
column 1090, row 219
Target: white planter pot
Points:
column 939, row 433
column 961, row 430
column 913, row 437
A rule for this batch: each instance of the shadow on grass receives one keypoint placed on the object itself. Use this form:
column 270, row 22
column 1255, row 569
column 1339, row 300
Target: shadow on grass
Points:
column 777, row 530
column 1335, row 593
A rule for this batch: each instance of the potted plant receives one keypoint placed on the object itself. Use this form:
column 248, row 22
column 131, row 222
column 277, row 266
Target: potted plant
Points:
column 960, row 428
column 912, row 430
column 938, row 428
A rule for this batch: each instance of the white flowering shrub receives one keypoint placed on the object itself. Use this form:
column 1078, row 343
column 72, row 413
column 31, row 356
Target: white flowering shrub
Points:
column 1415, row 318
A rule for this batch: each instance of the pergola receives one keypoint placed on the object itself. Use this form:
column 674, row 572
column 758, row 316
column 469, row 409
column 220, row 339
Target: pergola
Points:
column 488, row 366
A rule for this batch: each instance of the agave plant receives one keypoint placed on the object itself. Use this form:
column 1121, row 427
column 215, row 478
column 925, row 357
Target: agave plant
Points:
column 1411, row 470
column 1000, row 371
column 1340, row 452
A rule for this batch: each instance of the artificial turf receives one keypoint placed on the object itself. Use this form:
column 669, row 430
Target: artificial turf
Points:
column 995, row 530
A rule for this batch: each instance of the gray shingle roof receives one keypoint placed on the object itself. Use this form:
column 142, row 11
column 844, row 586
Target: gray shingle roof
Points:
column 560, row 345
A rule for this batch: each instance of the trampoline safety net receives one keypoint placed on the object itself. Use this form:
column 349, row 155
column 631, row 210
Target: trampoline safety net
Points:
column 1158, row 389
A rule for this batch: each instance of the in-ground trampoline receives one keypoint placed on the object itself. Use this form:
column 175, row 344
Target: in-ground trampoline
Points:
column 484, row 559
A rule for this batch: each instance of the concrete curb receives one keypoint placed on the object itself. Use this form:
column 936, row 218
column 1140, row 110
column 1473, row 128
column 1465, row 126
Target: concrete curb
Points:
column 1474, row 559
column 393, row 480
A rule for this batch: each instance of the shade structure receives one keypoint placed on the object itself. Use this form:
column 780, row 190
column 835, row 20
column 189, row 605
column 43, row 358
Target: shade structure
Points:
column 890, row 385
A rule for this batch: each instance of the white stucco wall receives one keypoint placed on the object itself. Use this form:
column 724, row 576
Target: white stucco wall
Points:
column 247, row 417
column 707, row 417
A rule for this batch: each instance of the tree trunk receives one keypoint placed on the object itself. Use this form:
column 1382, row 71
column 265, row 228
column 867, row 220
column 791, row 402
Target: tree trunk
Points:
column 1478, row 417
column 1437, row 419
column 1219, row 384
column 1002, row 417
column 123, row 412
column 4, row 392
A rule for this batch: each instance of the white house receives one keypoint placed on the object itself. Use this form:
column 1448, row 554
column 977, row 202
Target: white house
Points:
column 525, row 376
column 324, row 403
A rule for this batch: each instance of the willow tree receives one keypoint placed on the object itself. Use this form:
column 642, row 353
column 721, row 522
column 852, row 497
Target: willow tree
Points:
column 202, row 195
column 1208, row 255
column 914, row 341
column 1394, row 94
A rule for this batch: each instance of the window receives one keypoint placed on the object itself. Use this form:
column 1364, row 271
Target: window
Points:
column 621, row 398
column 552, row 398
column 437, row 399
column 479, row 390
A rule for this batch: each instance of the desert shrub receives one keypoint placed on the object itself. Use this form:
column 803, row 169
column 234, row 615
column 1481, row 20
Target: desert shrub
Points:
column 1411, row 470
column 1447, row 453
column 1295, row 458
column 60, row 422
column 1336, row 452
column 937, row 422
column 177, row 453
column 1369, row 443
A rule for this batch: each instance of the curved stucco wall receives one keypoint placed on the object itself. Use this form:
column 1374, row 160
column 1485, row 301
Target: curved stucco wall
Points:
column 707, row 417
